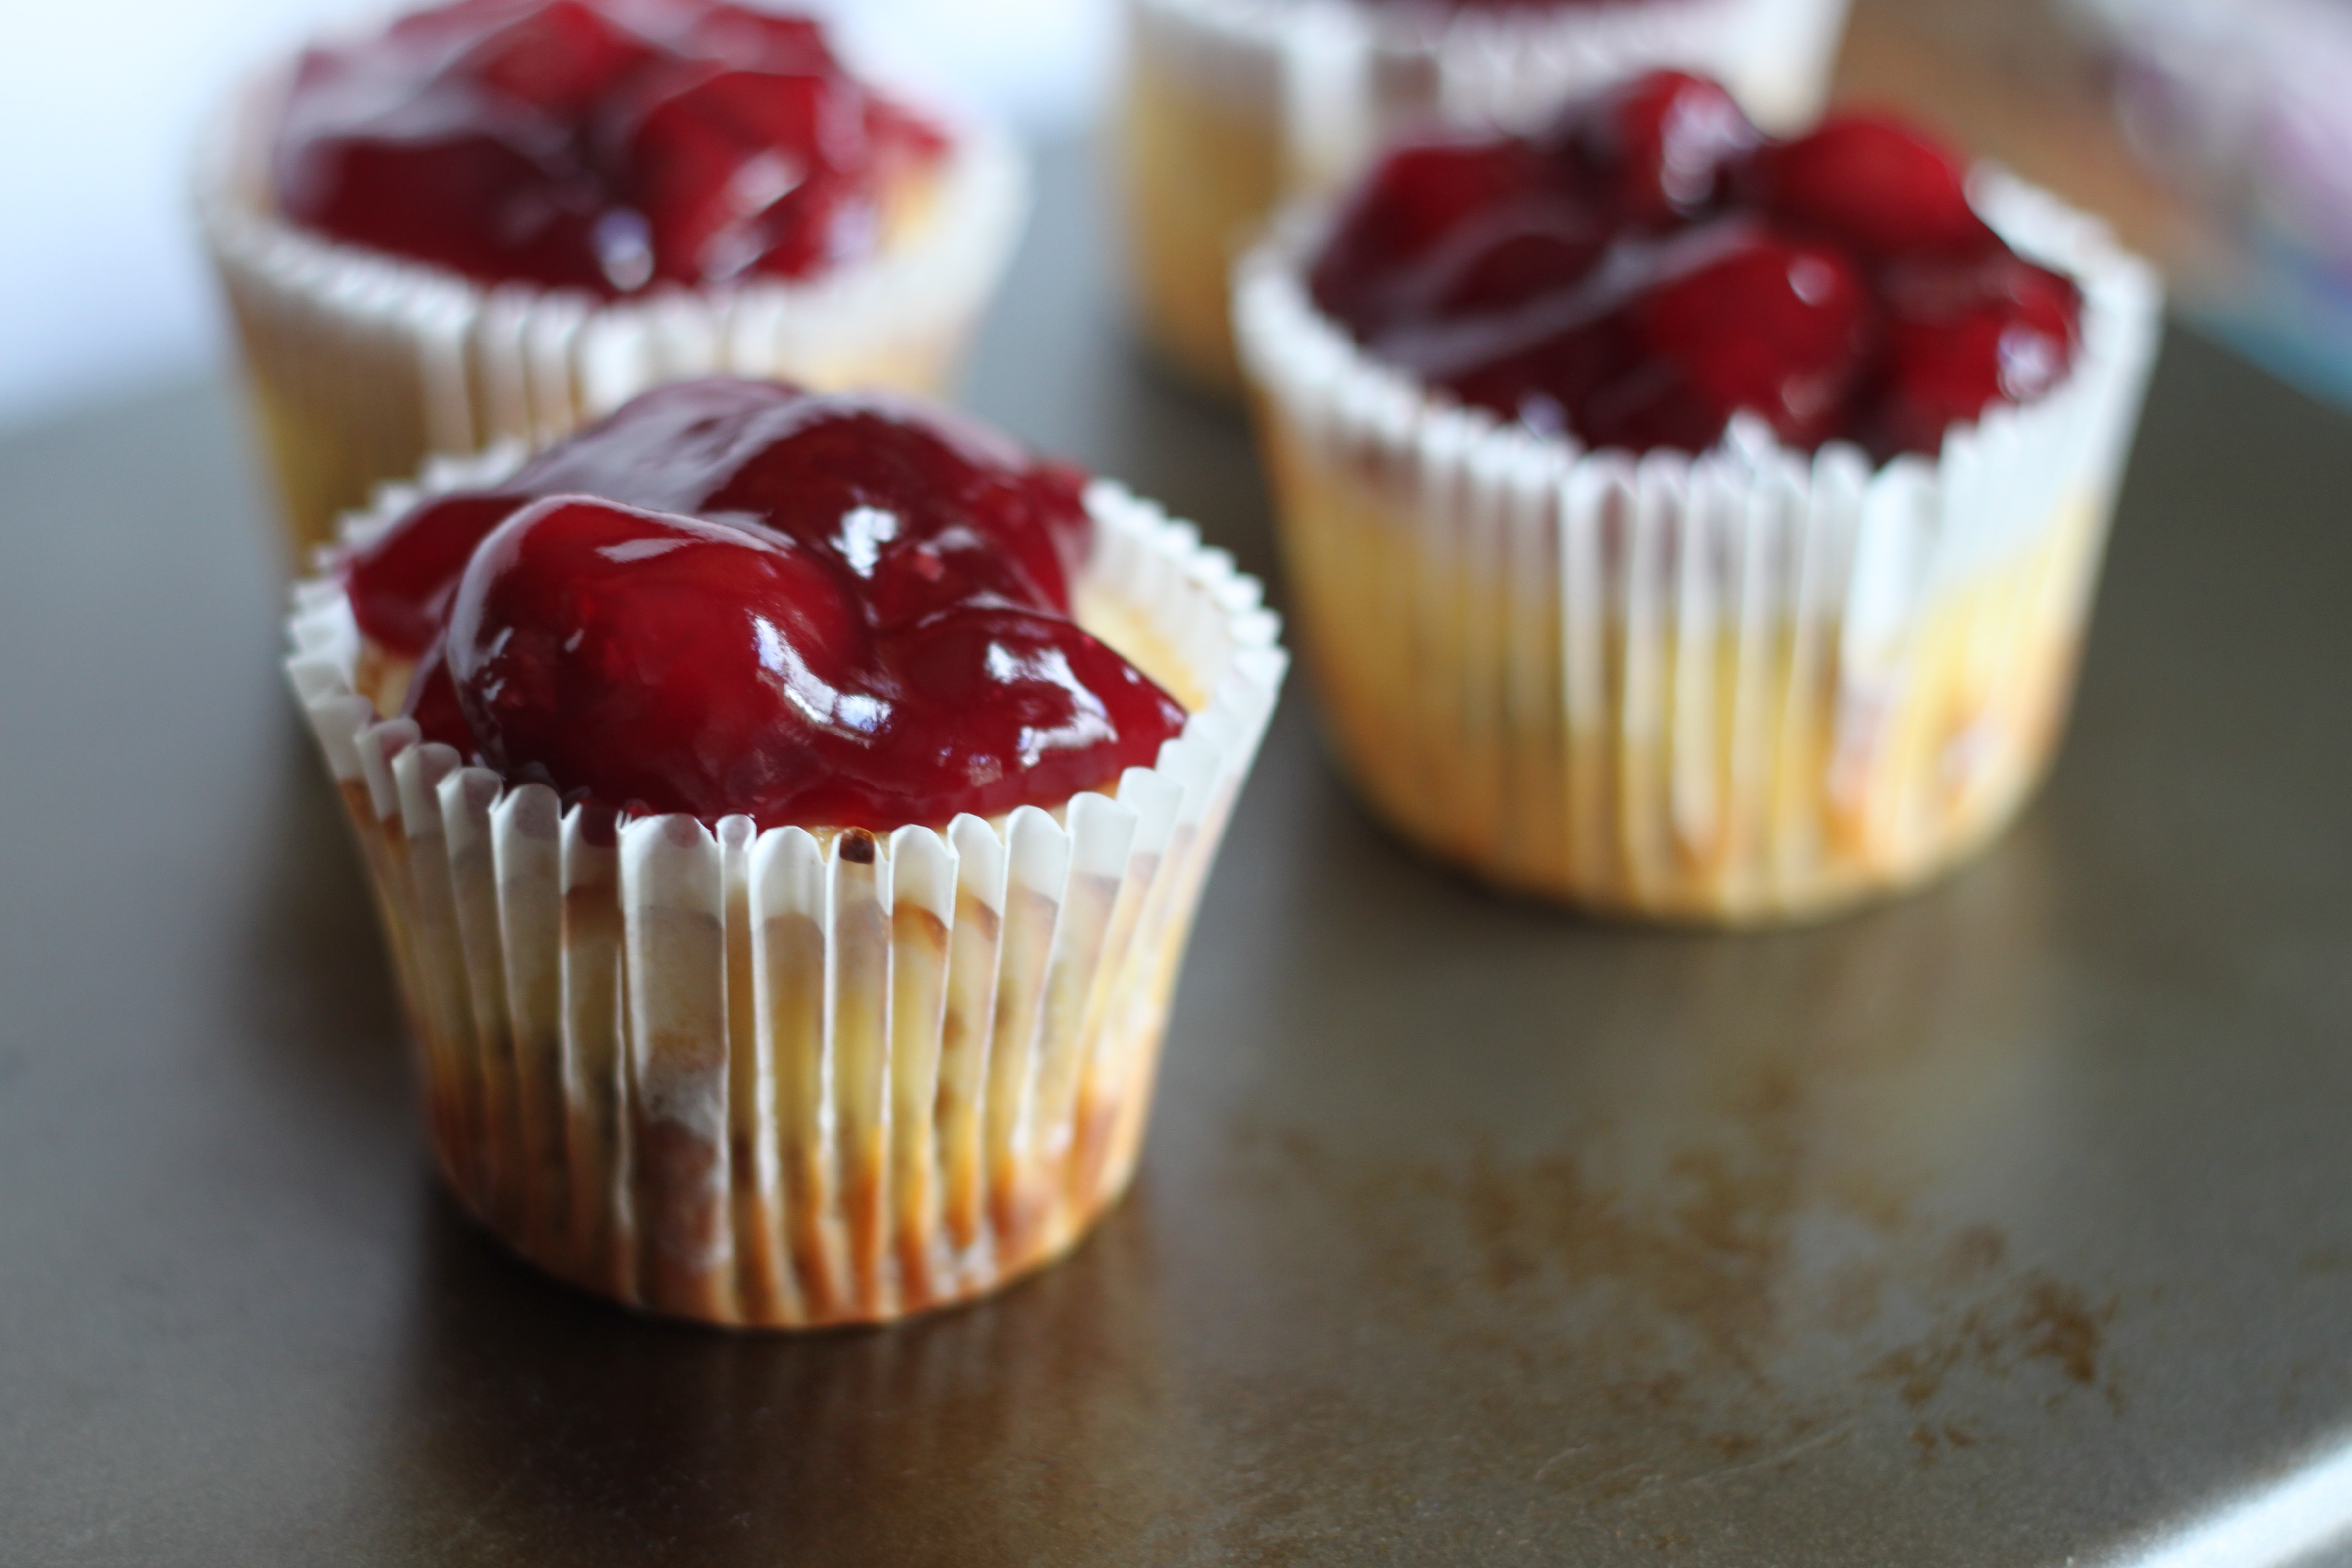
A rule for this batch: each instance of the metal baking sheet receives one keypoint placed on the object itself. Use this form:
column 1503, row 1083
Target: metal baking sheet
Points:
column 2005, row 1226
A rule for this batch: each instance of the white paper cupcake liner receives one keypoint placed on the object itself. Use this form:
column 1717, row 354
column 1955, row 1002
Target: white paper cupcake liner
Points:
column 1753, row 684
column 363, row 364
column 1235, row 105
column 800, row 1077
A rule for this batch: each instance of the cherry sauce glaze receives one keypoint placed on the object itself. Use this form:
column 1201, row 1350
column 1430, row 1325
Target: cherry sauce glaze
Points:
column 1650, row 264
column 734, row 596
column 607, row 146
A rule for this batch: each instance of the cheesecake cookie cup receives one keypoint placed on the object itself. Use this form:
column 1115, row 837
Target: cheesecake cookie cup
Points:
column 787, row 1074
column 363, row 357
column 1232, row 107
column 1759, row 683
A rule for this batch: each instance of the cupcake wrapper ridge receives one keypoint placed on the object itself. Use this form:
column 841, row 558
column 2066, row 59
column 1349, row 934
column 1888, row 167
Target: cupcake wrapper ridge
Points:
column 362, row 363
column 1746, row 684
column 790, row 1078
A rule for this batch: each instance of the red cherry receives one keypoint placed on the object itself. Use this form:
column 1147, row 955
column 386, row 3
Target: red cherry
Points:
column 1423, row 189
column 1961, row 336
column 1417, row 195
column 560, row 58
column 432, row 704
column 400, row 584
column 1558, row 383
column 666, row 662
column 1721, row 320
column 1658, row 145
column 1752, row 320
column 1875, row 183
column 743, row 170
column 1006, row 707
column 922, row 519
column 1500, row 261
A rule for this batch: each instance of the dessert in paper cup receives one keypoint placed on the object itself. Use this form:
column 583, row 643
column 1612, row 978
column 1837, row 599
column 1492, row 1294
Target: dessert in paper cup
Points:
column 787, row 812
column 1688, row 524
column 1232, row 106
column 497, row 219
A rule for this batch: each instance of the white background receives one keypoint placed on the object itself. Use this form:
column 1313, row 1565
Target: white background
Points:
column 101, row 288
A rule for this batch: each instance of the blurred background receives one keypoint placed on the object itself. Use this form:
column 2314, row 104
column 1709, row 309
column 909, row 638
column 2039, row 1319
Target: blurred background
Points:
column 100, row 99
column 2216, row 134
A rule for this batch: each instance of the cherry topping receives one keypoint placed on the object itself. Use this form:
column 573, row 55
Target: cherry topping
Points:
column 1658, row 145
column 1649, row 266
column 1715, row 320
column 1752, row 320
column 599, row 144
column 806, row 609
column 1426, row 190
column 1875, row 183
column 433, row 703
column 662, row 660
column 1961, row 335
column 708, row 169
column 401, row 583
column 968, row 511
column 561, row 57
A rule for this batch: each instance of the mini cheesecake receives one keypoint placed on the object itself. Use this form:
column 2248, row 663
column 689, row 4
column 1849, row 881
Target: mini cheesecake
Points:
column 788, row 811
column 1744, row 496
column 500, row 217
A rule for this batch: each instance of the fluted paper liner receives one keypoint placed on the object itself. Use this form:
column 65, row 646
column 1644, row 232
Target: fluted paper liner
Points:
column 805, row 1076
column 1234, row 105
column 361, row 364
column 1753, row 684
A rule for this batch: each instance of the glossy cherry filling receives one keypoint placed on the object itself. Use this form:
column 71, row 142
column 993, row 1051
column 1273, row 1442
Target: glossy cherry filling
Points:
column 1650, row 265
column 599, row 144
column 734, row 596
